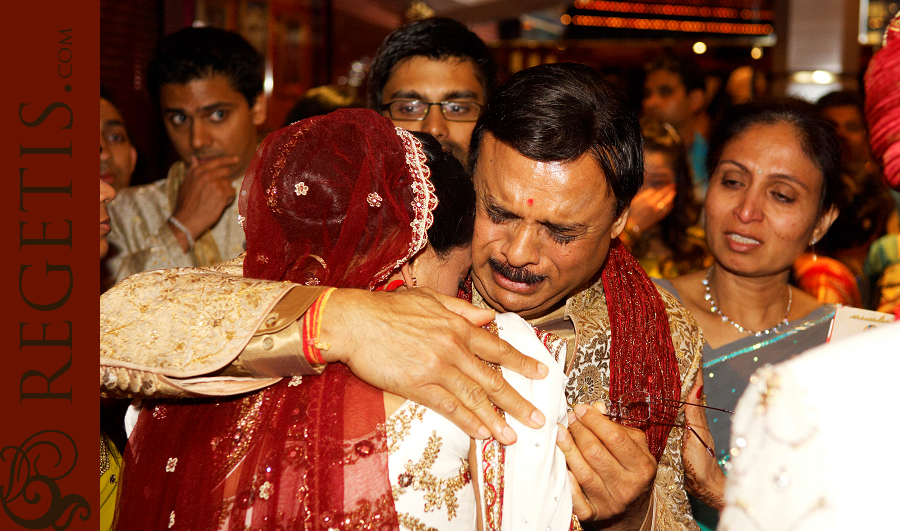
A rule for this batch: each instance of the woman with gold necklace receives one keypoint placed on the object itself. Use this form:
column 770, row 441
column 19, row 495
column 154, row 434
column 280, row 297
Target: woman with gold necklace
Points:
column 773, row 172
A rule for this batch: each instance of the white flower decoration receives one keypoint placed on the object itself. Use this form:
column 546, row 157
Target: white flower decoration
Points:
column 265, row 490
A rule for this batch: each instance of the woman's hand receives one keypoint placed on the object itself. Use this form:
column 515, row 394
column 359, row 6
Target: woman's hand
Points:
column 650, row 206
column 703, row 477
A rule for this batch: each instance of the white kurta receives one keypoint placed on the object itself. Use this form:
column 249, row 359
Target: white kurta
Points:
column 527, row 481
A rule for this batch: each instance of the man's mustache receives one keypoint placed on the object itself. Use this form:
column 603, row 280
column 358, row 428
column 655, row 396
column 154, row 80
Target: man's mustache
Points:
column 516, row 274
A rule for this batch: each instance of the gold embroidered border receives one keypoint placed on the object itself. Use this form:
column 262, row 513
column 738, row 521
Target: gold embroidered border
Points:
column 438, row 492
column 397, row 426
column 246, row 428
column 408, row 521
column 493, row 456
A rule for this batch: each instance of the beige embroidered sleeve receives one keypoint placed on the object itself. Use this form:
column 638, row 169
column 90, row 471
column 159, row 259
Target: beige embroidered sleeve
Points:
column 200, row 332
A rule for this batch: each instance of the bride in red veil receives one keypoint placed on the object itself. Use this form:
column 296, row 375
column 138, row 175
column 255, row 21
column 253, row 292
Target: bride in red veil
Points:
column 343, row 200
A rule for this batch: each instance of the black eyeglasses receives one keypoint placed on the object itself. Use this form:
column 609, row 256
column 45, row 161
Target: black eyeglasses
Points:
column 416, row 110
column 639, row 409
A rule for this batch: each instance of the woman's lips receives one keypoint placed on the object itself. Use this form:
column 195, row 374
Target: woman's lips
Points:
column 741, row 242
column 743, row 239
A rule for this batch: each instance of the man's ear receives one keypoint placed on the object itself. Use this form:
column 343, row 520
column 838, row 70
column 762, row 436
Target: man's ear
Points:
column 258, row 111
column 619, row 224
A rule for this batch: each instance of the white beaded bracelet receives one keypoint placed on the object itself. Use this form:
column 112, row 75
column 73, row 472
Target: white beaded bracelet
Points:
column 180, row 226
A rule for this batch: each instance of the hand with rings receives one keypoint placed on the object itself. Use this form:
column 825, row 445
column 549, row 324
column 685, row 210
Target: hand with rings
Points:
column 650, row 206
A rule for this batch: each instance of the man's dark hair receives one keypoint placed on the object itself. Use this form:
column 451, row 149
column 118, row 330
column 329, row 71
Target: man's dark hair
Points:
column 454, row 217
column 688, row 71
column 559, row 112
column 436, row 38
column 196, row 53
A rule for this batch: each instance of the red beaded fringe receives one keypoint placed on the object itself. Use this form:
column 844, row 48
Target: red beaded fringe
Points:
column 642, row 357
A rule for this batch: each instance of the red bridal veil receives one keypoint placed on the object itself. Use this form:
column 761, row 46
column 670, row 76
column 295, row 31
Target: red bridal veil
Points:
column 340, row 200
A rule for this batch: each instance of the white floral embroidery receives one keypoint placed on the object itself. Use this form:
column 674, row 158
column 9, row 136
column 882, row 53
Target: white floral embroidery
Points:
column 374, row 200
column 170, row 465
column 301, row 188
column 265, row 490
column 172, row 519
column 241, row 220
column 295, row 381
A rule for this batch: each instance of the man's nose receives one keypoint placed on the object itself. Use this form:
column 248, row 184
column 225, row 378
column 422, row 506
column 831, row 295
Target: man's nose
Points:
column 522, row 248
column 200, row 136
column 435, row 123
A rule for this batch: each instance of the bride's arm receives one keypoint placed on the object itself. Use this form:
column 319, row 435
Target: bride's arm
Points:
column 173, row 332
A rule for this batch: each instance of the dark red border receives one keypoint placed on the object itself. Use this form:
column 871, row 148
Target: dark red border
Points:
column 31, row 50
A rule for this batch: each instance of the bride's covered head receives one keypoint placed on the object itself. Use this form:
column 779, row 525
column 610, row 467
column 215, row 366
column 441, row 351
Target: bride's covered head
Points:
column 340, row 200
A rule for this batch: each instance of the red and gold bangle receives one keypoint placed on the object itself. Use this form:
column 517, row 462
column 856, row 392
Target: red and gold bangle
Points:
column 312, row 328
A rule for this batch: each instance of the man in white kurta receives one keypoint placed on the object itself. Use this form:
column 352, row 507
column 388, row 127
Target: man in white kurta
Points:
column 208, row 83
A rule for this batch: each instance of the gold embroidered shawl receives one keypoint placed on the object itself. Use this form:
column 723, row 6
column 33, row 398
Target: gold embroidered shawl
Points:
column 205, row 318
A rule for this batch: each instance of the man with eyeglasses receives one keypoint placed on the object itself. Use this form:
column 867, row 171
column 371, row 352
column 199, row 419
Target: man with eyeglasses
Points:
column 433, row 75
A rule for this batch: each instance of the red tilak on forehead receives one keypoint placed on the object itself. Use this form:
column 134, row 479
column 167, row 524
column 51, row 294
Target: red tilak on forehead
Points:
column 530, row 201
